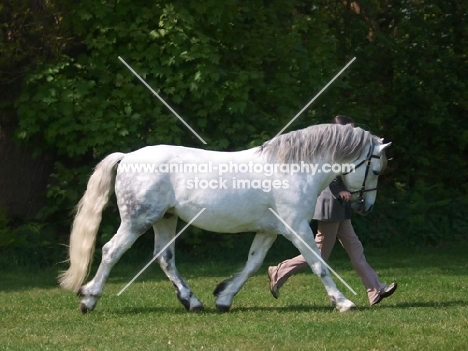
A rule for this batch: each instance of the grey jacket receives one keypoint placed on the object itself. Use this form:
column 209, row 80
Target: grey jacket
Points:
column 328, row 208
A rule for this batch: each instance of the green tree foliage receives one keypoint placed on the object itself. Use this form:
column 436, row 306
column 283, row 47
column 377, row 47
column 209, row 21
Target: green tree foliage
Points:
column 409, row 86
column 222, row 66
column 31, row 32
column 238, row 71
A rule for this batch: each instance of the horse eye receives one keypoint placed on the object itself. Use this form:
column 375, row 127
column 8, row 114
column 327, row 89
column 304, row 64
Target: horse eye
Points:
column 376, row 172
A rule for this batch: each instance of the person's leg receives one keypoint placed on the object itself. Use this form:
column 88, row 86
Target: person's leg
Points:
column 325, row 239
column 279, row 274
column 353, row 246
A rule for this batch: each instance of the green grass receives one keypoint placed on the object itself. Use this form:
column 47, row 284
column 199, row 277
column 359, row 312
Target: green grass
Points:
column 429, row 311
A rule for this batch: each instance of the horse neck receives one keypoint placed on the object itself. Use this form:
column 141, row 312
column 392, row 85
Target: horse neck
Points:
column 319, row 179
column 325, row 180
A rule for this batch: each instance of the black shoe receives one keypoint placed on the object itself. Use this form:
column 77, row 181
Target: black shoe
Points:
column 386, row 292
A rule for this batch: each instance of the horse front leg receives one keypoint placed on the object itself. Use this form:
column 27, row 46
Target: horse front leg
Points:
column 164, row 232
column 305, row 243
column 226, row 290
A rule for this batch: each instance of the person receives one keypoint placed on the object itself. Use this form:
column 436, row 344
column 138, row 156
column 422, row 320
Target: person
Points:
column 334, row 222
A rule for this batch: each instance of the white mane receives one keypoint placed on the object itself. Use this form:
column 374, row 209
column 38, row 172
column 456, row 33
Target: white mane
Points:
column 341, row 143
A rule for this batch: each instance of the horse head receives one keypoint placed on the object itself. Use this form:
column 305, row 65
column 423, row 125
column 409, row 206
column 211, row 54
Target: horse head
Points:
column 362, row 180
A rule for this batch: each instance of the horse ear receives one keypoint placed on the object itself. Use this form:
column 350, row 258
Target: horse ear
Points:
column 382, row 147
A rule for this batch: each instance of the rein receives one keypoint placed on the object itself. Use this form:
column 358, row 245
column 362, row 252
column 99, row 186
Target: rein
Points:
column 366, row 161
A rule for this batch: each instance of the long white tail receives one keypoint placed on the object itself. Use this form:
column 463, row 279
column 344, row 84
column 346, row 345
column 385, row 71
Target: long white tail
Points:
column 86, row 223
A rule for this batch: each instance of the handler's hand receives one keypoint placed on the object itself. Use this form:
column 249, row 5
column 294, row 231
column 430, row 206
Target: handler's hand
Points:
column 344, row 195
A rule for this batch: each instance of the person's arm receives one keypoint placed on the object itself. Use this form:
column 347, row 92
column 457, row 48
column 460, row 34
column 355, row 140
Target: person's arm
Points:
column 339, row 191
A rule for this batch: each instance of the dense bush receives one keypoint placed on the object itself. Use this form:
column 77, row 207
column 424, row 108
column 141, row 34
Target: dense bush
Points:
column 238, row 71
column 224, row 67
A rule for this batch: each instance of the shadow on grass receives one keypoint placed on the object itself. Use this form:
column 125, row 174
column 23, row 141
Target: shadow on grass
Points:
column 214, row 311
column 286, row 309
column 426, row 304
column 21, row 280
column 448, row 261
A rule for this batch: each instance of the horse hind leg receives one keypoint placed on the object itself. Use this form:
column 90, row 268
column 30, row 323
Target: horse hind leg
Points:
column 136, row 220
column 164, row 232
column 226, row 290
column 112, row 251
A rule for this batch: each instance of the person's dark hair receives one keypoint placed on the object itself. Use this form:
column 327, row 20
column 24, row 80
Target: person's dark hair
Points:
column 340, row 119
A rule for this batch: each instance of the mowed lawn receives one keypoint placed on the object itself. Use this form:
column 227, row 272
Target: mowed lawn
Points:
column 429, row 311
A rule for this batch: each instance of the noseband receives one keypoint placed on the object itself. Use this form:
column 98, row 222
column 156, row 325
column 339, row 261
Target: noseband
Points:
column 367, row 161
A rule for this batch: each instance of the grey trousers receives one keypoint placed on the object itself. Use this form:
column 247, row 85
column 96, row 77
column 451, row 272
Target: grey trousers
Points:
column 327, row 234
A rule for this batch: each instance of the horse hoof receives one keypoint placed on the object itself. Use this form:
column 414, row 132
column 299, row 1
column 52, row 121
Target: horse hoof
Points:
column 84, row 309
column 347, row 308
column 198, row 308
column 223, row 308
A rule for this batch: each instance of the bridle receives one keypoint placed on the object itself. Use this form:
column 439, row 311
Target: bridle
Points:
column 367, row 161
